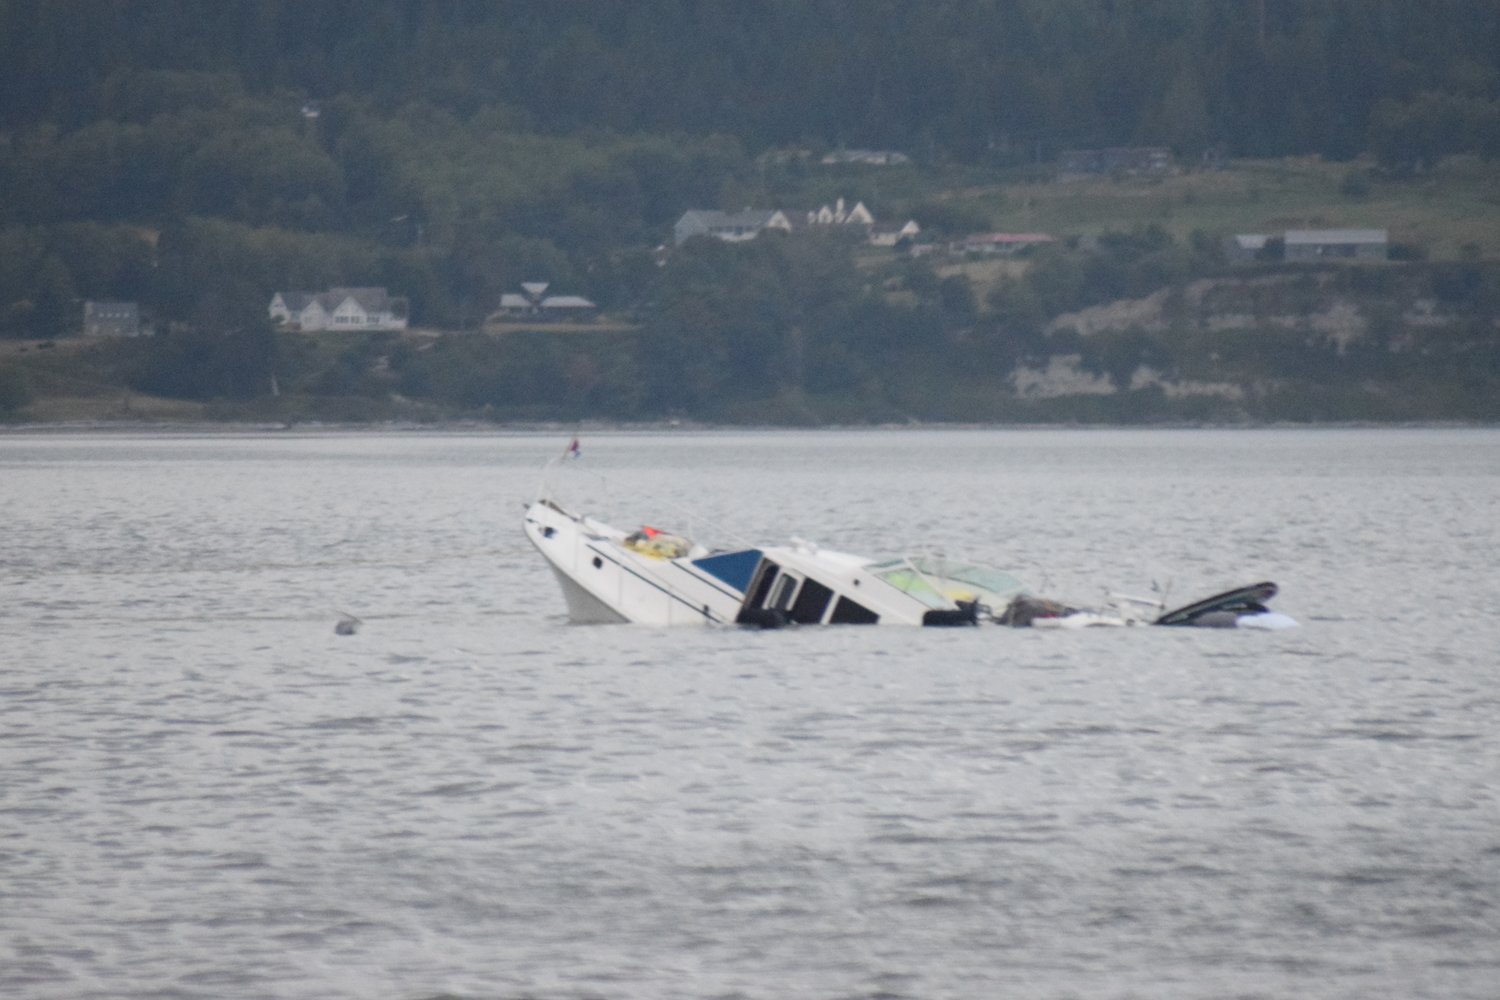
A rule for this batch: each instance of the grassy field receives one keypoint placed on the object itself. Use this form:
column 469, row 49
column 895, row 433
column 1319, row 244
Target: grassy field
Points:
column 1451, row 212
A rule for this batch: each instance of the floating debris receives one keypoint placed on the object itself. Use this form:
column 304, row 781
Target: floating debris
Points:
column 348, row 625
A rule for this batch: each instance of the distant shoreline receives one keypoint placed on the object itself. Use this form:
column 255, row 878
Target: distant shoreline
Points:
column 460, row 427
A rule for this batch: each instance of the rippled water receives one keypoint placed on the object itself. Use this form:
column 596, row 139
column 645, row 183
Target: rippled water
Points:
column 205, row 792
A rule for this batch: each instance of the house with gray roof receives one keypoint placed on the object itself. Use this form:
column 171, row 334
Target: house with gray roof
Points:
column 732, row 227
column 890, row 236
column 533, row 305
column 1337, row 244
column 1244, row 248
column 368, row 309
column 1309, row 246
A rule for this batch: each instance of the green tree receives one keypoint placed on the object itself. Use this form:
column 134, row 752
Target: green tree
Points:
column 15, row 393
column 207, row 363
column 1182, row 119
column 57, row 307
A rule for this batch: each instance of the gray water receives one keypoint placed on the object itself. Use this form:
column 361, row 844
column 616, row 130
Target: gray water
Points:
column 205, row 792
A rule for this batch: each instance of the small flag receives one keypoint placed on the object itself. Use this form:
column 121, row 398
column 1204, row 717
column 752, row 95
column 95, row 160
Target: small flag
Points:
column 573, row 450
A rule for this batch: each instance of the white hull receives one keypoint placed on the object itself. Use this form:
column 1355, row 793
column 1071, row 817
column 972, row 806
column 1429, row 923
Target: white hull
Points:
column 583, row 607
column 609, row 576
column 605, row 580
column 652, row 578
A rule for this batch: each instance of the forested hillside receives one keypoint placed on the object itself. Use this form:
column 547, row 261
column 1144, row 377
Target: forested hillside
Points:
column 951, row 78
column 197, row 157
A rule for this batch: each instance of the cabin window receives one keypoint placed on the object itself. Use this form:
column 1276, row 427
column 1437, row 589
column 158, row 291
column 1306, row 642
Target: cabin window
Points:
column 911, row 582
column 763, row 582
column 781, row 594
column 847, row 612
column 811, row 602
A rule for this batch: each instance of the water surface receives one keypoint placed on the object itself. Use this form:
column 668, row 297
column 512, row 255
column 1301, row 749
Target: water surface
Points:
column 205, row 792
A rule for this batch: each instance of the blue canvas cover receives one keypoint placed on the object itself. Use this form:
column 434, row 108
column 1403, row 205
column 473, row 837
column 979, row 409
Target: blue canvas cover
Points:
column 734, row 568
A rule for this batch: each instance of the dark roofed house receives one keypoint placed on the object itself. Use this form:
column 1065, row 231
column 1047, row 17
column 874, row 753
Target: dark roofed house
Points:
column 533, row 305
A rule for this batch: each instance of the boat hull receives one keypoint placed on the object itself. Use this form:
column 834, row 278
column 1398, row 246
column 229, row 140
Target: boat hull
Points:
column 654, row 578
column 583, row 607
column 605, row 580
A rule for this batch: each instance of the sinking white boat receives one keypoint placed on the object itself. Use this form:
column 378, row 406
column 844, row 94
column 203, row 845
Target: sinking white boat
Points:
column 653, row 577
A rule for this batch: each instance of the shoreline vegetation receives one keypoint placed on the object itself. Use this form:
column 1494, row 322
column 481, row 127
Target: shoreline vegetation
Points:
column 566, row 430
column 1065, row 229
column 1136, row 329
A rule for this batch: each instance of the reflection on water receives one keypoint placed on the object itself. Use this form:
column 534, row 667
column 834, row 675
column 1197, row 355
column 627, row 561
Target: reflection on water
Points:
column 208, row 793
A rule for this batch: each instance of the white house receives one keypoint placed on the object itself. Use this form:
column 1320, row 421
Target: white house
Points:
column 837, row 215
column 732, row 227
column 861, row 220
column 889, row 236
column 370, row 309
column 111, row 319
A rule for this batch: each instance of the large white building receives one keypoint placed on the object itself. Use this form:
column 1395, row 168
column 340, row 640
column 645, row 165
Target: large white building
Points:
column 1311, row 245
column 1335, row 244
column 838, row 217
column 111, row 319
column 339, row 309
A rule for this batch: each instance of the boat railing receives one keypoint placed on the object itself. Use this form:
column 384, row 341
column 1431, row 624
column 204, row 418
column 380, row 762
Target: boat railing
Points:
column 689, row 523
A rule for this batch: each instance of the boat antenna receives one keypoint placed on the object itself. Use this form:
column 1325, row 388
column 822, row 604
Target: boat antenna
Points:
column 694, row 519
column 572, row 452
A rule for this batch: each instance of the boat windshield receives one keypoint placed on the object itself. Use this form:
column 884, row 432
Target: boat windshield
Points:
column 938, row 583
